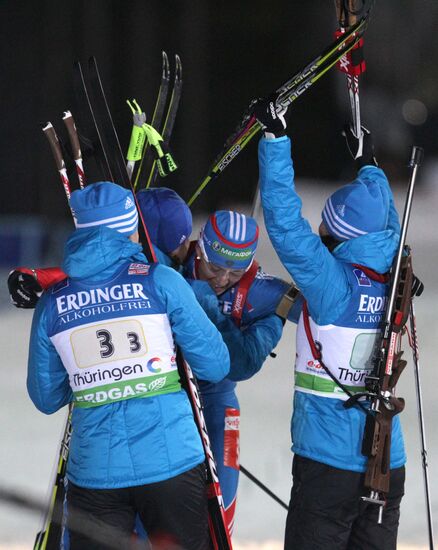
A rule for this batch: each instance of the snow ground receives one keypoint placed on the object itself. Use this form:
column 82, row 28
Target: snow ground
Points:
column 29, row 439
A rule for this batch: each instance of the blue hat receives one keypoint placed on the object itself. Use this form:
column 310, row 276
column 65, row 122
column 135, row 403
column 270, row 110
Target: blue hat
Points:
column 229, row 239
column 105, row 203
column 356, row 209
column 167, row 217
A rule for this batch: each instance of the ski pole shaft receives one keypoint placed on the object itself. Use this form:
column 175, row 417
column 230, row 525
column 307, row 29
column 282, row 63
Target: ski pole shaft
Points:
column 347, row 13
column 263, row 487
column 418, row 391
column 51, row 533
column 49, row 132
column 256, row 203
column 288, row 92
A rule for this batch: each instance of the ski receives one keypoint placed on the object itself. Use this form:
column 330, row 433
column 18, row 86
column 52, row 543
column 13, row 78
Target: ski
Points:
column 157, row 117
column 50, row 536
column 104, row 125
column 86, row 122
column 107, row 132
column 291, row 90
column 169, row 121
column 109, row 141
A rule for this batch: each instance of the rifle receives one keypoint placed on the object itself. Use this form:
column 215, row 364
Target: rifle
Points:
column 388, row 364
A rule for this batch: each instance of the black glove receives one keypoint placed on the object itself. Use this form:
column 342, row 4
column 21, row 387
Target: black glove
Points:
column 272, row 120
column 24, row 289
column 360, row 148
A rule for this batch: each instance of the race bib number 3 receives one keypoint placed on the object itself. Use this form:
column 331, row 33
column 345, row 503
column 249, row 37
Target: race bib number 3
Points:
column 110, row 341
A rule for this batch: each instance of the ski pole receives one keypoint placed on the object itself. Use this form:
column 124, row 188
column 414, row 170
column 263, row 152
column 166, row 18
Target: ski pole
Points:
column 169, row 121
column 49, row 132
column 156, row 117
column 424, row 463
column 138, row 137
column 75, row 145
column 263, row 487
column 291, row 90
column 352, row 63
column 51, row 533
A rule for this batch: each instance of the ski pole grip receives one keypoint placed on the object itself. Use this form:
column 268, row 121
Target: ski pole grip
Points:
column 416, row 158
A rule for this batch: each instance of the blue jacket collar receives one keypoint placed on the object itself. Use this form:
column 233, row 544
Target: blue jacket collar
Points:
column 96, row 253
column 374, row 250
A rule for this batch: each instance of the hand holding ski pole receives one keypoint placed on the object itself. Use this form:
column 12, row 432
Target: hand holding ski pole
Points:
column 352, row 64
column 26, row 285
column 270, row 116
column 362, row 148
column 288, row 92
column 24, row 288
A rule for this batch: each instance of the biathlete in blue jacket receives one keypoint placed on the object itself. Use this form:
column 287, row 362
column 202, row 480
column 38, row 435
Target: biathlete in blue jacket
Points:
column 341, row 274
column 105, row 338
column 244, row 303
column 238, row 297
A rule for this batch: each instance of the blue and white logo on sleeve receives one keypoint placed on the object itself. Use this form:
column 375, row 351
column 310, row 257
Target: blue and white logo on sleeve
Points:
column 362, row 279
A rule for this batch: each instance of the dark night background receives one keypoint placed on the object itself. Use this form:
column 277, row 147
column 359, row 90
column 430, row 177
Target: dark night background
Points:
column 231, row 52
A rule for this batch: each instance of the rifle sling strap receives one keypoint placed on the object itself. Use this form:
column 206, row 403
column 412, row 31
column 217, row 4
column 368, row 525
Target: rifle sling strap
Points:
column 287, row 301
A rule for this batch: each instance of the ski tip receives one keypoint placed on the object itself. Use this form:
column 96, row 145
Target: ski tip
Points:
column 77, row 70
column 92, row 61
column 178, row 70
column 166, row 66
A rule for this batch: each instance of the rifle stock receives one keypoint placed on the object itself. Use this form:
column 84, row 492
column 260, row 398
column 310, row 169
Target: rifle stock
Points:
column 384, row 404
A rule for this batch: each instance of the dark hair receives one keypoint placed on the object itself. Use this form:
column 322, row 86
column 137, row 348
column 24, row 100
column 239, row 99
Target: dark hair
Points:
column 330, row 242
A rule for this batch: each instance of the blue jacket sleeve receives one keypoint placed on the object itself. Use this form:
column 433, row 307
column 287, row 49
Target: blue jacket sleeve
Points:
column 198, row 338
column 321, row 279
column 249, row 347
column 47, row 379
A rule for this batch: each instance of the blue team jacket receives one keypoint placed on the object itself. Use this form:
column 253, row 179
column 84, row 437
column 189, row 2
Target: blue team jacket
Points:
column 260, row 329
column 323, row 280
column 140, row 440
